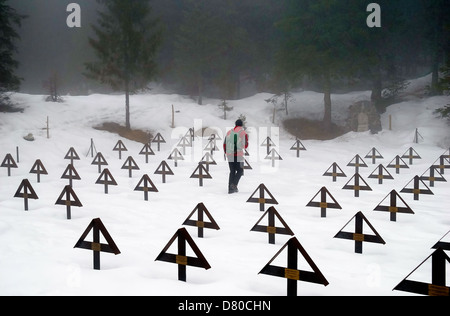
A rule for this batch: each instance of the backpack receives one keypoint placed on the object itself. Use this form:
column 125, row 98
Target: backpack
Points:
column 234, row 142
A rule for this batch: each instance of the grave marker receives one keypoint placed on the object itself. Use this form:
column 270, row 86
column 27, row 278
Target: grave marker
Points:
column 26, row 192
column 438, row 286
column 291, row 272
column 262, row 199
column 442, row 163
column 358, row 235
column 398, row 164
column 200, row 223
column 432, row 177
column 183, row 143
column 211, row 146
column 131, row 165
column 146, row 185
column 201, row 173
column 97, row 227
column 416, row 190
column 38, row 168
column 270, row 228
column 334, row 173
column 180, row 258
column 268, row 143
column 9, row 163
column 357, row 186
column 147, row 151
column 72, row 155
column 158, row 139
column 357, row 162
column 411, row 154
column 175, row 155
column 298, row 146
column 324, row 204
column 164, row 169
column 273, row 155
column 71, row 174
column 106, row 178
column 100, row 161
column 374, row 155
column 120, row 146
column 207, row 160
column 382, row 174
column 71, row 199
column 393, row 206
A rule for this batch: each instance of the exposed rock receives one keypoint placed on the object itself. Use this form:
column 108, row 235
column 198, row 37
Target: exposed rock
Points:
column 363, row 116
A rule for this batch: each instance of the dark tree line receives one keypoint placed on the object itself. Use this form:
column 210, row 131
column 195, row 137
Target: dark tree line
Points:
column 9, row 21
column 215, row 47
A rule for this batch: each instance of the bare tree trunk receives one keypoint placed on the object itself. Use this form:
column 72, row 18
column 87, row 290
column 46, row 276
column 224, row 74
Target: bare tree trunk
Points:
column 127, row 105
column 200, row 89
column 327, row 102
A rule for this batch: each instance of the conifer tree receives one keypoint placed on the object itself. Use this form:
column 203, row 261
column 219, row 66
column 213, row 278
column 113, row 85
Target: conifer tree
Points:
column 9, row 81
column 317, row 44
column 127, row 42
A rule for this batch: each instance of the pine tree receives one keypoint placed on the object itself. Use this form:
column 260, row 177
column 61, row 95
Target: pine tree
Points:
column 8, row 80
column 126, row 46
column 197, row 45
column 318, row 43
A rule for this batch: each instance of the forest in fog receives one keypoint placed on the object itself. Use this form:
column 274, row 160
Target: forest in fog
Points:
column 231, row 48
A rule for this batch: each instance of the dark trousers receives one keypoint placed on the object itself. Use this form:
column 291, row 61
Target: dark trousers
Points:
column 236, row 172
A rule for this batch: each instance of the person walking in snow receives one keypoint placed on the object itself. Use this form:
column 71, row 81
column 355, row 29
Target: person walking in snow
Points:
column 234, row 144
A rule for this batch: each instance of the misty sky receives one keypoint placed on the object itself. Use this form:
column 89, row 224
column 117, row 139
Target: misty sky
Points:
column 48, row 45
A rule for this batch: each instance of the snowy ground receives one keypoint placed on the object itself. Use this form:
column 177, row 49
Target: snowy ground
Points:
column 37, row 246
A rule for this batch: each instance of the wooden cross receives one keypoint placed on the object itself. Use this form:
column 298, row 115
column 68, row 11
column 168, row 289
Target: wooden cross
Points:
column 164, row 169
column 201, row 173
column 416, row 190
column 147, row 150
column 381, row 174
column 71, row 174
column 357, row 185
column 38, row 168
column 398, row 164
column 100, row 161
column 271, row 228
column 106, row 178
column 97, row 227
column 200, row 223
column 158, row 139
column 358, row 235
column 68, row 202
column 181, row 259
column 324, row 204
column 262, row 190
column 292, row 272
column 120, row 146
column 374, row 154
column 298, row 146
column 393, row 208
column 334, row 173
column 131, row 165
column 9, row 163
column 28, row 192
column 146, row 185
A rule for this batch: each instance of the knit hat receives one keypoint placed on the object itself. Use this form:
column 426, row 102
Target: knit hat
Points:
column 239, row 123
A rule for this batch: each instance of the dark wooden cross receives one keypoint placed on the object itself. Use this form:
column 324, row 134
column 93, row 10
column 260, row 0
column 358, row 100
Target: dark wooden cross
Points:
column 96, row 225
column 181, row 259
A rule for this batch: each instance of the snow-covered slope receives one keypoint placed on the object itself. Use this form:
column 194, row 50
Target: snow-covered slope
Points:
column 37, row 246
